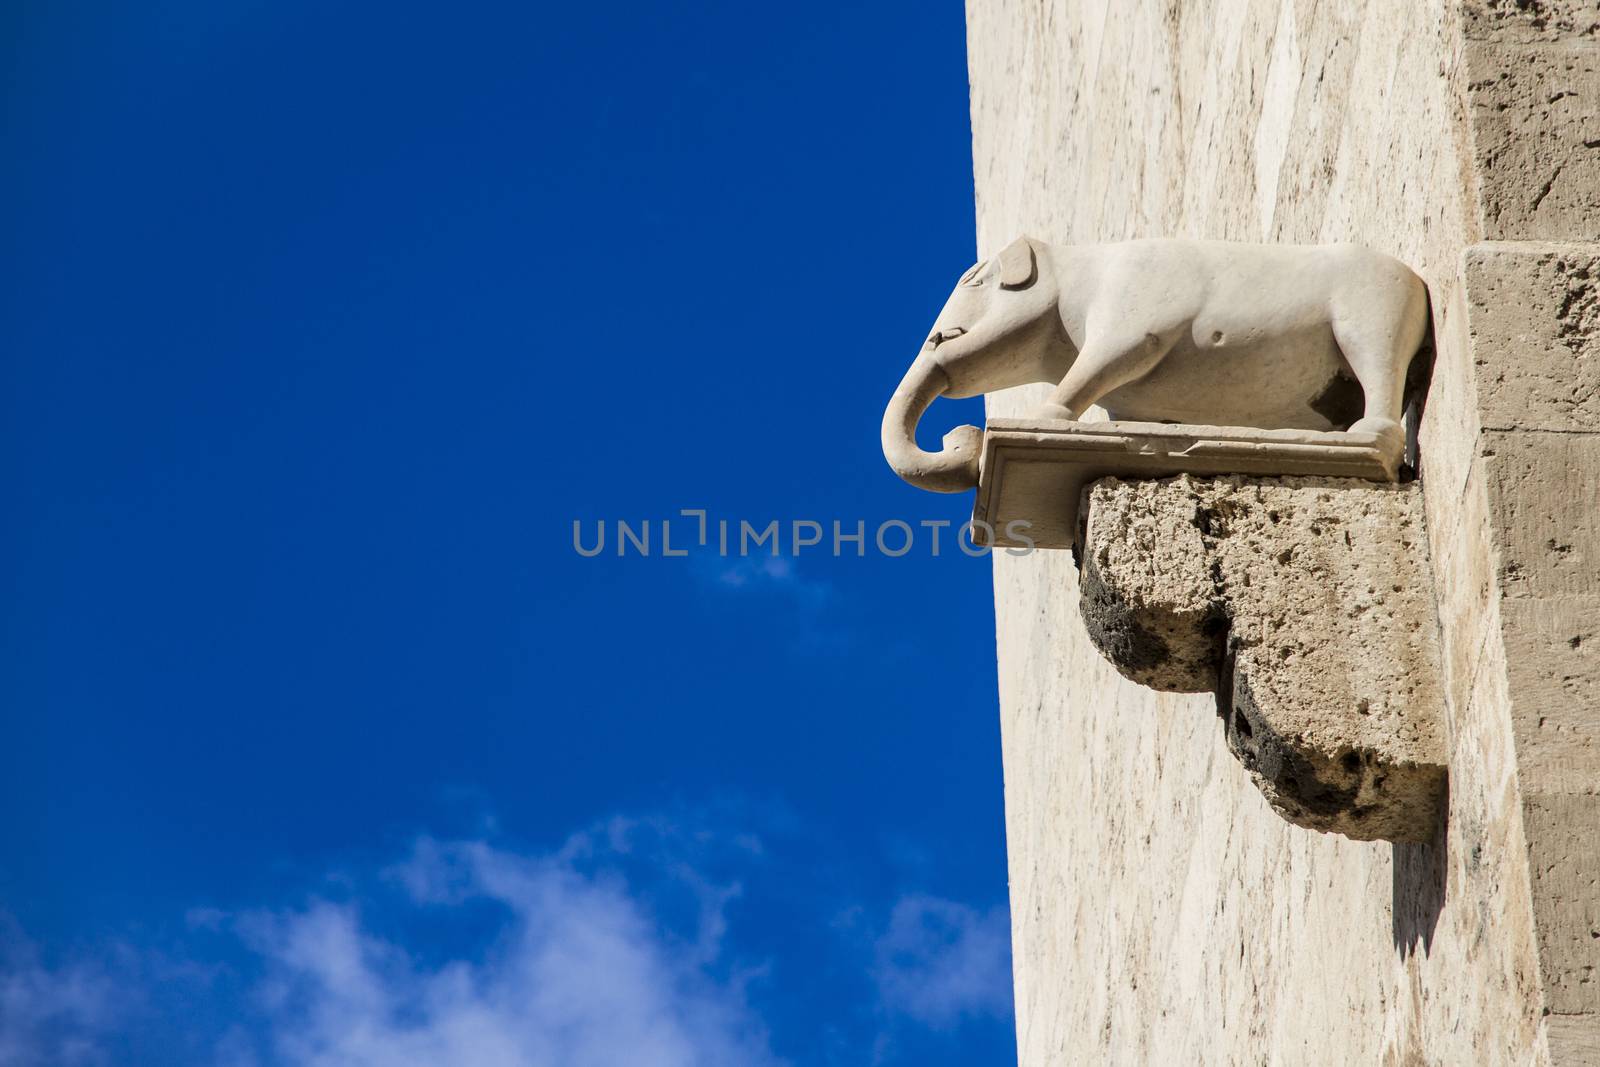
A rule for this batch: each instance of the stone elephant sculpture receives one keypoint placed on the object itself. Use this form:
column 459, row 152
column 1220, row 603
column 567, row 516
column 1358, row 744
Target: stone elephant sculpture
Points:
column 1200, row 332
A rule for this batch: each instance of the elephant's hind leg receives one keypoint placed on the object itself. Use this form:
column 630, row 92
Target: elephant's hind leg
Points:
column 1379, row 330
column 1103, row 366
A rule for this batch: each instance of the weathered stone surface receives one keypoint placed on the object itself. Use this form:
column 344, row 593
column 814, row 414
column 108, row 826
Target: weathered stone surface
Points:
column 1553, row 672
column 1544, row 502
column 1531, row 20
column 1535, row 333
column 1149, row 600
column 1305, row 605
column 1535, row 340
column 1572, row 1039
column 1535, row 127
column 1562, row 830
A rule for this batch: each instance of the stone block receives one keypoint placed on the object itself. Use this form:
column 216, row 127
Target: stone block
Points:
column 1306, row 605
column 1535, row 116
column 1544, row 500
column 1534, row 332
column 1552, row 655
column 1562, row 831
column 1573, row 1039
column 1530, row 21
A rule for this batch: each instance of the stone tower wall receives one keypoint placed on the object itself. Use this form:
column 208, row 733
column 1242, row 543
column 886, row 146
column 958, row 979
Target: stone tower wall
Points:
column 1162, row 913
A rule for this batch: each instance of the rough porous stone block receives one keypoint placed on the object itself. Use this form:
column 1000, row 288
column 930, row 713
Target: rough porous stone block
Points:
column 1535, row 120
column 1544, row 500
column 1530, row 20
column 1552, row 651
column 1562, row 832
column 1573, row 1038
column 1534, row 333
column 1305, row 604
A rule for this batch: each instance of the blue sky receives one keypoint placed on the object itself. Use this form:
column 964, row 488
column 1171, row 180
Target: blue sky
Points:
column 322, row 323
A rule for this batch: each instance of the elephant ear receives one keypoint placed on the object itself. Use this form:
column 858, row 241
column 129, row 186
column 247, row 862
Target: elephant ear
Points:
column 1017, row 267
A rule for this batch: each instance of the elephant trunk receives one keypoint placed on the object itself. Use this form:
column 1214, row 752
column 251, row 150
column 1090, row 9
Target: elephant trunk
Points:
column 951, row 470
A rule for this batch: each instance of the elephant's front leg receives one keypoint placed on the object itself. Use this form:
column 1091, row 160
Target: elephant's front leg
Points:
column 1102, row 366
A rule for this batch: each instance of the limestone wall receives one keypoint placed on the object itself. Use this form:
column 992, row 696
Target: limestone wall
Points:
column 1161, row 912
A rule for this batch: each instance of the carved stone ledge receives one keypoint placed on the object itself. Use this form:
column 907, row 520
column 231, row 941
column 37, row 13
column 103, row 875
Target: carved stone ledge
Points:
column 1304, row 604
column 1034, row 470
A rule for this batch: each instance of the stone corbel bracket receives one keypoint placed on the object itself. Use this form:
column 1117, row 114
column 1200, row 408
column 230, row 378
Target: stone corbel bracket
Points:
column 1303, row 603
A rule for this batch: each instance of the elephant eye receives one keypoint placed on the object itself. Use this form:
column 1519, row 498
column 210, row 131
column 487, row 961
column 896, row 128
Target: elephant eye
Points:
column 974, row 276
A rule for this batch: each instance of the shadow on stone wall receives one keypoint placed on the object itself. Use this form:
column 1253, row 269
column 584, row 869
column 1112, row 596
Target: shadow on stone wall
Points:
column 1421, row 875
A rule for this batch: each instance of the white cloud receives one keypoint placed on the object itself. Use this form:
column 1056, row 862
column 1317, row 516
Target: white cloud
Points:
column 941, row 962
column 50, row 1015
column 578, row 974
column 613, row 950
column 775, row 573
column 778, row 580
